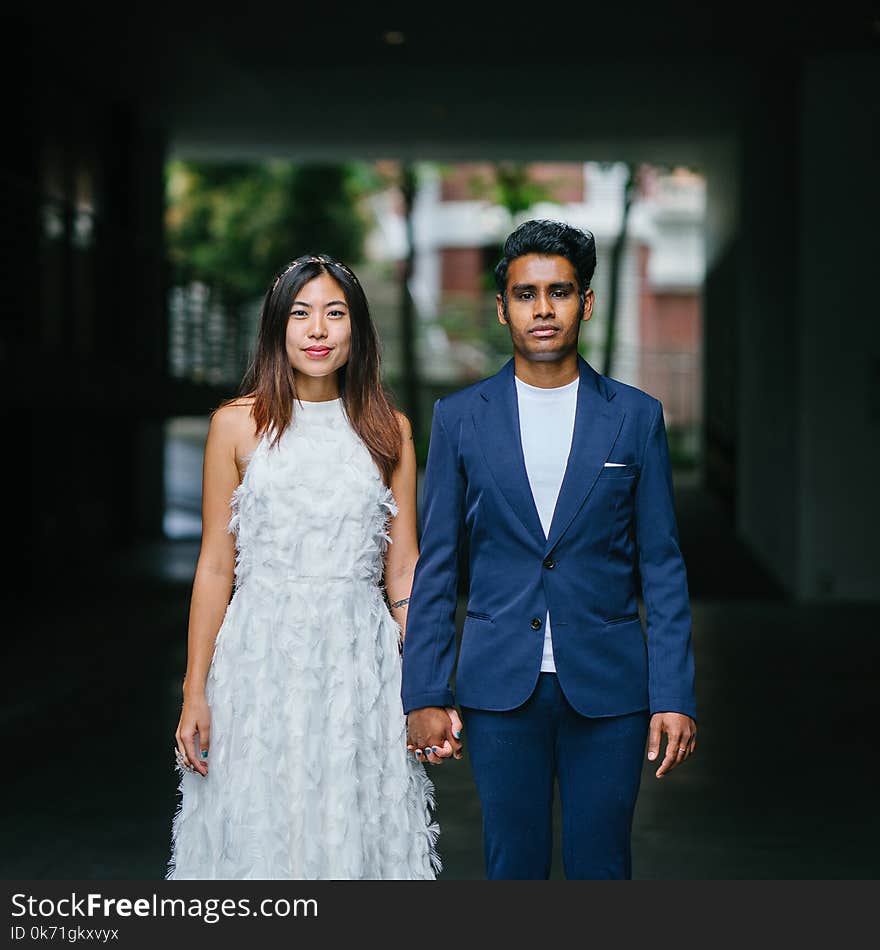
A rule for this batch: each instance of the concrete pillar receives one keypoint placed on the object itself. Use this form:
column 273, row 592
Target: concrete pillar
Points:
column 838, row 386
column 768, row 327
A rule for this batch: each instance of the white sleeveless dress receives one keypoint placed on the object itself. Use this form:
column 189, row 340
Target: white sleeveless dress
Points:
column 308, row 773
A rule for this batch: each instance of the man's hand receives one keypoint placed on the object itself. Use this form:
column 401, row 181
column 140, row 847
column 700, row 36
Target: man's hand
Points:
column 681, row 739
column 433, row 734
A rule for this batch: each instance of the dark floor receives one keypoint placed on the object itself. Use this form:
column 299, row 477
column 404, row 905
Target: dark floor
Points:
column 779, row 787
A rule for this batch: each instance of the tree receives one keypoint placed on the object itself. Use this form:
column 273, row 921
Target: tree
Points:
column 617, row 251
column 233, row 225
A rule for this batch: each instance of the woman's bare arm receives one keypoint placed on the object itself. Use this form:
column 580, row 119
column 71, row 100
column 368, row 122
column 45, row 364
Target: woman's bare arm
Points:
column 214, row 577
column 400, row 564
column 403, row 552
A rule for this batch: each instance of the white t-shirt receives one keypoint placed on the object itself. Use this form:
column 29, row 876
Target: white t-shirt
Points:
column 546, row 426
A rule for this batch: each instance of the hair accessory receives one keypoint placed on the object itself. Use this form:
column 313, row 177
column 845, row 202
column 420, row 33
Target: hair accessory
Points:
column 313, row 259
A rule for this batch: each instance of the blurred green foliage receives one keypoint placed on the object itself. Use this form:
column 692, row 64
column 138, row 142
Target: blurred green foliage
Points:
column 475, row 322
column 234, row 225
column 512, row 186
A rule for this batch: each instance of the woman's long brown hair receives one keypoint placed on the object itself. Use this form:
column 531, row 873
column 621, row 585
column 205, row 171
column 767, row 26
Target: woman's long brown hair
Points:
column 271, row 380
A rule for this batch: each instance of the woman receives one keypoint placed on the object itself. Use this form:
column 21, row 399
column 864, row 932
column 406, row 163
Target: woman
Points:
column 291, row 742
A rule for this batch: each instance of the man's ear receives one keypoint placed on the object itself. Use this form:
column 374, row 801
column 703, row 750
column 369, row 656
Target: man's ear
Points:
column 499, row 303
column 589, row 298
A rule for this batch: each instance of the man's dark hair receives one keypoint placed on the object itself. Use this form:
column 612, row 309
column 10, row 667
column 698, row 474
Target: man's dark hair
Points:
column 549, row 237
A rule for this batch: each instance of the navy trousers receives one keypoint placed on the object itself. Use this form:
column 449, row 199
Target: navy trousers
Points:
column 516, row 756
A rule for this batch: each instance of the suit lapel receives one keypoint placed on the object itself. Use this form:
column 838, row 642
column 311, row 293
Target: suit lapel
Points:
column 596, row 427
column 496, row 419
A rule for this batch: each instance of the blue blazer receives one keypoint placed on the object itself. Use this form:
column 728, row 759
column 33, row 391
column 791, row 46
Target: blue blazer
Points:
column 608, row 521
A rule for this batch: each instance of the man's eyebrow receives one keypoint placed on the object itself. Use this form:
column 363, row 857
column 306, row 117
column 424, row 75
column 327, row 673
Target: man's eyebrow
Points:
column 558, row 285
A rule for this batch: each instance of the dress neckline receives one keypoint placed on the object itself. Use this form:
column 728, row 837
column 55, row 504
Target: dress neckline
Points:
column 316, row 404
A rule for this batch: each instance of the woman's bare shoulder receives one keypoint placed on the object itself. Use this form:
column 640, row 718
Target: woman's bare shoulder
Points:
column 404, row 425
column 234, row 421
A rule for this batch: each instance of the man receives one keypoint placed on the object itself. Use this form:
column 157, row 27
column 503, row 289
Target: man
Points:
column 561, row 479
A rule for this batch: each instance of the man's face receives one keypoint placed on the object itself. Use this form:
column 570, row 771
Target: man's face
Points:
column 543, row 307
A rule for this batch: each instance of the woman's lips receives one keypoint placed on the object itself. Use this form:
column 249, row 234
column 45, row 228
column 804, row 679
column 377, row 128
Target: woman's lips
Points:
column 318, row 352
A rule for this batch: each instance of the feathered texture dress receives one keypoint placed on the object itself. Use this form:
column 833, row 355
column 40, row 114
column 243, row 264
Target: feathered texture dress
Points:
column 308, row 773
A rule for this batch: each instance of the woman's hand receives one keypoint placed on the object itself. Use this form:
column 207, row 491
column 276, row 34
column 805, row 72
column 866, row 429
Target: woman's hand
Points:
column 457, row 727
column 447, row 749
column 195, row 720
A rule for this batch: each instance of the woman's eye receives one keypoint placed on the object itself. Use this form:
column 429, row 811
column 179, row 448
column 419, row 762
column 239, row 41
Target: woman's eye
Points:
column 336, row 313
column 298, row 313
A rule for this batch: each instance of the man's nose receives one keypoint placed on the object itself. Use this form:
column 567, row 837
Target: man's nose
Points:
column 543, row 306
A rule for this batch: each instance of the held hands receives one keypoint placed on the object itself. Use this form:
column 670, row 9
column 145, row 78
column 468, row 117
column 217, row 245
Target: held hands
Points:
column 195, row 720
column 433, row 734
column 681, row 739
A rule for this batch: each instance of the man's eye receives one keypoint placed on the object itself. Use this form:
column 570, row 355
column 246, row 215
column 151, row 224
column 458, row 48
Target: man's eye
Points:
column 560, row 293
column 525, row 295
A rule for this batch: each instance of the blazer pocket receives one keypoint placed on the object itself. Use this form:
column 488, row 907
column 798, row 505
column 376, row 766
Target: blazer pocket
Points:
column 477, row 615
column 631, row 619
column 619, row 471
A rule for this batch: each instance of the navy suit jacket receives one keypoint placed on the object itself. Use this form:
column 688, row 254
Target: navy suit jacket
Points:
column 608, row 522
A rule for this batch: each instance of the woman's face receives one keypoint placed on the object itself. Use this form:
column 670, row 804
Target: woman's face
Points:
column 319, row 328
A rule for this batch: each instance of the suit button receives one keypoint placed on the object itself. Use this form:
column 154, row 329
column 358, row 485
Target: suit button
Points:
column 549, row 563
column 536, row 623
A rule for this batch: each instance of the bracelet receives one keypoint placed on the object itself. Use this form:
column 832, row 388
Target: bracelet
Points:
column 400, row 603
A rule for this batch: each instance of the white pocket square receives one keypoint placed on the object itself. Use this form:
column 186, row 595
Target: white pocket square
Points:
column 615, row 465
